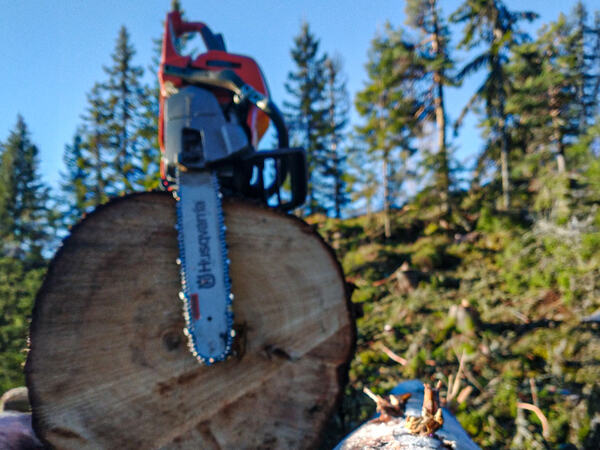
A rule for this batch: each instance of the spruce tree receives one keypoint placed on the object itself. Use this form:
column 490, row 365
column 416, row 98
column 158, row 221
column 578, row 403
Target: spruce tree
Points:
column 307, row 111
column 125, row 96
column 74, row 181
column 337, row 120
column 362, row 176
column 584, row 43
column 553, row 85
column 24, row 212
column 95, row 148
column 544, row 93
column 429, row 73
column 389, row 110
column 19, row 284
column 492, row 24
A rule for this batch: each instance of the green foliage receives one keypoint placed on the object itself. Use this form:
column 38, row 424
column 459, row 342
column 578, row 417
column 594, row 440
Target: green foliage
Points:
column 590, row 245
column 73, row 185
column 430, row 252
column 527, row 283
column 115, row 150
column 388, row 113
column 18, row 287
column 494, row 26
column 336, row 191
column 307, row 112
column 429, row 75
column 491, row 221
column 25, row 217
column 130, row 131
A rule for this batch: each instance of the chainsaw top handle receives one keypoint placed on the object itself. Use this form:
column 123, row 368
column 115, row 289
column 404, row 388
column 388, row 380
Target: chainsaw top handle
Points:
column 177, row 27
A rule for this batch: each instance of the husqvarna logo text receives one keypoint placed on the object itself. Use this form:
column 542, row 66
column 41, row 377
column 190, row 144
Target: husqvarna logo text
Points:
column 205, row 278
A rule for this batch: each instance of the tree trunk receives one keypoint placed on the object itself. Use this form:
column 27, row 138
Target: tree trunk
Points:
column 443, row 174
column 498, row 70
column 504, row 170
column 337, row 195
column 505, row 173
column 561, row 162
column 109, row 365
column 386, row 199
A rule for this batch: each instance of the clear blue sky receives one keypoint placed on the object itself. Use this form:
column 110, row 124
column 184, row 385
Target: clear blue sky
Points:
column 53, row 50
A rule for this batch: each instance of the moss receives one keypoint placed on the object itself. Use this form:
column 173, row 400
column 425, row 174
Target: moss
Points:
column 472, row 423
column 415, row 364
column 590, row 244
column 429, row 252
column 365, row 294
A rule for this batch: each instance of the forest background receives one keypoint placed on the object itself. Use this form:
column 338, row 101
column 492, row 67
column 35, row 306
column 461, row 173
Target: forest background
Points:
column 488, row 257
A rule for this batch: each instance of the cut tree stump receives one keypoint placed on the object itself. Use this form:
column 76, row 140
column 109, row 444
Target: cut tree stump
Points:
column 109, row 365
column 394, row 433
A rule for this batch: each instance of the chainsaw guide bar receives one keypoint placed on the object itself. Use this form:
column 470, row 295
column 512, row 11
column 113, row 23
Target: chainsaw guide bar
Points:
column 206, row 287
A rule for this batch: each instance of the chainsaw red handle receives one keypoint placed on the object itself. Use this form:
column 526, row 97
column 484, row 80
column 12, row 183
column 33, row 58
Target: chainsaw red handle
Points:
column 176, row 27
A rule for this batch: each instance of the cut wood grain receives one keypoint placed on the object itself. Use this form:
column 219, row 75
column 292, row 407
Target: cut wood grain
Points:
column 109, row 366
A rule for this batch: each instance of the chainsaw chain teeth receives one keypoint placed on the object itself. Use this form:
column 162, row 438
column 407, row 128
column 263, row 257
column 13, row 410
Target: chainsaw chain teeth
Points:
column 184, row 295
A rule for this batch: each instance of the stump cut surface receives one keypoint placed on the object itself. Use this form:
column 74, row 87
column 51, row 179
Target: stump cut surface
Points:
column 109, row 365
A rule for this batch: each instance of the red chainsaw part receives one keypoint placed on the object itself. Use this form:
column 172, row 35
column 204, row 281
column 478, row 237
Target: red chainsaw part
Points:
column 245, row 67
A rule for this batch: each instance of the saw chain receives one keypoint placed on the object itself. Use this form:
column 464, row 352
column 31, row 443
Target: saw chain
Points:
column 204, row 266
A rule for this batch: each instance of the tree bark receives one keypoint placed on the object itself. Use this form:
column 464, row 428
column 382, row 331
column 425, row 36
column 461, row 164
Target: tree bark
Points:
column 504, row 168
column 109, row 366
column 386, row 199
column 498, row 70
column 443, row 174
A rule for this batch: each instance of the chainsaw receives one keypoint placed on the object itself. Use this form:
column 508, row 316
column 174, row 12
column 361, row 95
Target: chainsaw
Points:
column 214, row 110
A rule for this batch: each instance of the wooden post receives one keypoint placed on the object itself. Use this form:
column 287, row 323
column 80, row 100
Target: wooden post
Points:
column 109, row 365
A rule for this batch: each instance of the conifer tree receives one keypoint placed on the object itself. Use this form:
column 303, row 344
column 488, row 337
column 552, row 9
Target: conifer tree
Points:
column 429, row 73
column 389, row 110
column 553, row 85
column 95, row 148
column 125, row 97
column 584, row 43
column 74, row 181
column 363, row 179
column 492, row 24
column 24, row 213
column 307, row 111
column 19, row 284
column 337, row 120
column 543, row 94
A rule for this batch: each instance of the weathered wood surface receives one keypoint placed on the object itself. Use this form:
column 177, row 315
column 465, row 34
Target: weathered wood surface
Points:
column 109, row 366
column 395, row 435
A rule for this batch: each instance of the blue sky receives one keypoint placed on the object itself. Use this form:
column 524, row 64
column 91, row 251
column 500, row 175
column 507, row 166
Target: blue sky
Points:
column 53, row 51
